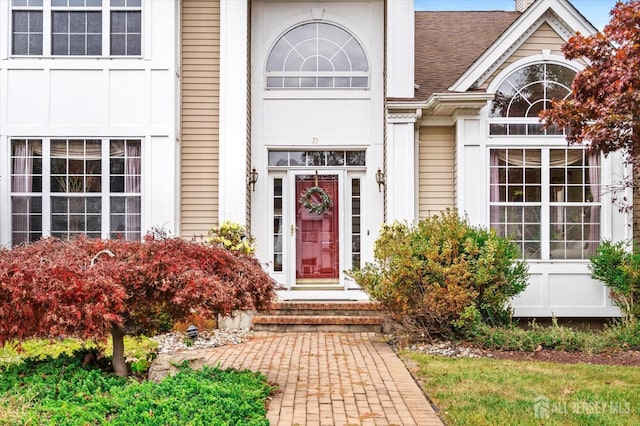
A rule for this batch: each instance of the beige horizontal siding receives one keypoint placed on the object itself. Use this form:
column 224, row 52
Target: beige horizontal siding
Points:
column 436, row 170
column 200, row 97
column 544, row 38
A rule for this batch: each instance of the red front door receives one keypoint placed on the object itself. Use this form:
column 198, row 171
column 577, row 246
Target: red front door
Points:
column 317, row 249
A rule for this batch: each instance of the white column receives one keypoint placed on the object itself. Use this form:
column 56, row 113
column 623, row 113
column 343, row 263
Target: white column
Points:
column 401, row 170
column 400, row 49
column 233, row 110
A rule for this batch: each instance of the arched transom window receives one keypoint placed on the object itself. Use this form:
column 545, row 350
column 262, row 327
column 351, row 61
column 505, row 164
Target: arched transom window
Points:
column 527, row 92
column 317, row 55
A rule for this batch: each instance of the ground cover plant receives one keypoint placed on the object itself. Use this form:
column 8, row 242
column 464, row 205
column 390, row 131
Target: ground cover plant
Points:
column 610, row 339
column 481, row 391
column 61, row 391
column 443, row 274
column 90, row 289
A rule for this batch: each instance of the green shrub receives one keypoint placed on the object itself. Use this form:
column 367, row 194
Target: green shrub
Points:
column 612, row 338
column 233, row 237
column 62, row 392
column 619, row 268
column 444, row 274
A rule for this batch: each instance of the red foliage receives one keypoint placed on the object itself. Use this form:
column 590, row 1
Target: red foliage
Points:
column 59, row 288
column 605, row 106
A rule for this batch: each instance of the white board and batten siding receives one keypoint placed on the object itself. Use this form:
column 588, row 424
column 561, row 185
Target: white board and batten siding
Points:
column 99, row 97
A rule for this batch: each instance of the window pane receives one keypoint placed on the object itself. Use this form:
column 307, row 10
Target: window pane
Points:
column 118, row 22
column 118, row 44
column 26, row 219
column 20, row 44
column 134, row 22
column 35, row 44
column 278, row 158
column 60, row 22
column 94, row 22
column 77, row 22
column 77, row 44
column 94, row 44
column 356, row 158
column 133, row 44
column 20, row 21
column 60, row 44
column 117, row 184
column 117, row 165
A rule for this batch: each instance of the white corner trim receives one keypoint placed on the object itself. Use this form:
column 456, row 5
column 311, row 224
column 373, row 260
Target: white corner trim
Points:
column 233, row 110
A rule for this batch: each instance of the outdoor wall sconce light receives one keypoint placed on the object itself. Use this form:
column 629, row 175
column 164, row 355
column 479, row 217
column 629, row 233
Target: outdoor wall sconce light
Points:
column 381, row 179
column 252, row 179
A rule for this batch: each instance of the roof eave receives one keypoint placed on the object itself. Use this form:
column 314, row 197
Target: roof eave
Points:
column 450, row 103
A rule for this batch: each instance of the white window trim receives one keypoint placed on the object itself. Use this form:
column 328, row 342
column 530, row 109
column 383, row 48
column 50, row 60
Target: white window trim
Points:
column 47, row 29
column 337, row 74
column 46, row 193
column 545, row 203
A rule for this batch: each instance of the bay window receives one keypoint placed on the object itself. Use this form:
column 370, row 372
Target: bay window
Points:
column 68, row 187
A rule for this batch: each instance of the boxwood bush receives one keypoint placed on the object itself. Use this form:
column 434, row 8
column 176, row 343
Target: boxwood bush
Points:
column 443, row 274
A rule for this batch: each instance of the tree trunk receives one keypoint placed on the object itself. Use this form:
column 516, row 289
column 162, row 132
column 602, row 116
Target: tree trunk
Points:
column 119, row 366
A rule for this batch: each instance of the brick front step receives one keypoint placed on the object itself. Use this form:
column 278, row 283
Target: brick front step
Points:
column 342, row 323
column 326, row 308
column 315, row 320
column 339, row 316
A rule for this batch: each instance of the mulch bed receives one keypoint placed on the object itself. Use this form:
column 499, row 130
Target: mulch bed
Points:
column 625, row 358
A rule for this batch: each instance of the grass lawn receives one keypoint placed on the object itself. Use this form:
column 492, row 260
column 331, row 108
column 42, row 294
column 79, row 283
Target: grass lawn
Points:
column 473, row 391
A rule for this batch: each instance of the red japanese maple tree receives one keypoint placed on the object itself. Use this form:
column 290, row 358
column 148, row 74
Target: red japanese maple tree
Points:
column 604, row 109
column 92, row 288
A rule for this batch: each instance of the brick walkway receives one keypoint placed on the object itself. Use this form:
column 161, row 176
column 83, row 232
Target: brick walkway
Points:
column 326, row 378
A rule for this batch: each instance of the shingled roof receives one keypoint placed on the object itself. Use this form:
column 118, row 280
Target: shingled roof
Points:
column 447, row 43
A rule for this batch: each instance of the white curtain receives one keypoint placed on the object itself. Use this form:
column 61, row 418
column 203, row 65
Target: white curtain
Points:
column 132, row 185
column 21, row 183
column 494, row 187
column 533, row 157
column 593, row 160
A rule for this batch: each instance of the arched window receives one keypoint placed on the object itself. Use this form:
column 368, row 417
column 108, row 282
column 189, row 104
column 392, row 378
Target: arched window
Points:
column 317, row 55
column 527, row 92
column 547, row 199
